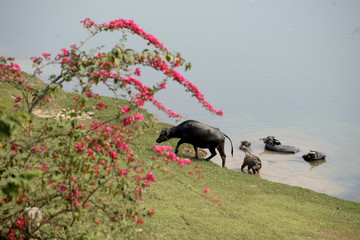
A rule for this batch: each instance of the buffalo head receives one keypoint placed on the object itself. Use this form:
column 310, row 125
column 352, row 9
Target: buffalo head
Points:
column 164, row 135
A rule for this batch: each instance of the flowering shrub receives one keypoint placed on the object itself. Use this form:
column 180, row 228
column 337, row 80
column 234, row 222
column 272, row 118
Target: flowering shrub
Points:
column 82, row 173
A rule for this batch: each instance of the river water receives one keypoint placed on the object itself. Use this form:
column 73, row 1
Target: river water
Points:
column 289, row 69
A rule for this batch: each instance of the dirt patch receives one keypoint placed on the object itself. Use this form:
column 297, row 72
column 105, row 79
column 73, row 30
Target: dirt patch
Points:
column 60, row 114
column 188, row 150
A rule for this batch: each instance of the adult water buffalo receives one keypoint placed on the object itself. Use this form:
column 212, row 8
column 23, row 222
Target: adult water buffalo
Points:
column 272, row 144
column 199, row 135
column 314, row 155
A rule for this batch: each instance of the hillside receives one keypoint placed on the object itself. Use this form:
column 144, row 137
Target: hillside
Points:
column 238, row 206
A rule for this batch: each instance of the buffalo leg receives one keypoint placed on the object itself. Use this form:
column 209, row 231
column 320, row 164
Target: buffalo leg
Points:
column 242, row 167
column 178, row 145
column 213, row 153
column 221, row 150
column 196, row 152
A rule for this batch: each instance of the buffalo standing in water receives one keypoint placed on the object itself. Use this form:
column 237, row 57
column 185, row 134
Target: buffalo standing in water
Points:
column 199, row 135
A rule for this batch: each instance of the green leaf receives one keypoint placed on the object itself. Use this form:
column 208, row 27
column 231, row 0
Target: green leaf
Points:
column 82, row 69
column 169, row 57
column 14, row 185
column 132, row 59
column 117, row 62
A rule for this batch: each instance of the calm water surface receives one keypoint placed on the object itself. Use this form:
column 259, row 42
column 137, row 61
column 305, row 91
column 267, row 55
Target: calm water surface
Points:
column 290, row 69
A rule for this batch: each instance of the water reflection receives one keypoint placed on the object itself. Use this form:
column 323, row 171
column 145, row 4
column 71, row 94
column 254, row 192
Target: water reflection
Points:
column 315, row 163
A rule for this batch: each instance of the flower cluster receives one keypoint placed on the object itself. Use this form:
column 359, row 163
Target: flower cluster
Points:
column 165, row 151
column 123, row 24
column 10, row 70
column 154, row 61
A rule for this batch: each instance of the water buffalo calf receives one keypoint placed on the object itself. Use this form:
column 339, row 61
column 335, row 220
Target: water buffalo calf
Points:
column 199, row 135
column 252, row 162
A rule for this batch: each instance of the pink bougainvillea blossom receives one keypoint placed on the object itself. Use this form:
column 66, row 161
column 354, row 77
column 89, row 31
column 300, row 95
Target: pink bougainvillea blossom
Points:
column 150, row 176
column 125, row 109
column 155, row 62
column 137, row 72
column 139, row 117
column 152, row 211
column 206, row 190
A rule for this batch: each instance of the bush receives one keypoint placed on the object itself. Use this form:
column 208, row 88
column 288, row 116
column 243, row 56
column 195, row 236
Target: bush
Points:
column 83, row 175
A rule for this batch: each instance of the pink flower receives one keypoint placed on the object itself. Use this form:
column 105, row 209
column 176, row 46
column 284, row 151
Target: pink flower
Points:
column 125, row 109
column 206, row 190
column 137, row 72
column 124, row 172
column 15, row 148
column 152, row 211
column 75, row 203
column 90, row 152
column 48, row 100
column 81, row 126
column 45, row 167
column 76, row 192
column 113, row 154
column 65, row 60
column 127, row 120
column 139, row 117
column 18, row 99
column 46, row 55
column 150, row 176
column 140, row 221
column 62, row 188
column 65, row 51
column 101, row 106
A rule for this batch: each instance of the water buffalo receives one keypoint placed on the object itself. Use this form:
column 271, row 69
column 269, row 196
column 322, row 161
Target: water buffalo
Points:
column 199, row 135
column 314, row 155
column 272, row 144
column 252, row 162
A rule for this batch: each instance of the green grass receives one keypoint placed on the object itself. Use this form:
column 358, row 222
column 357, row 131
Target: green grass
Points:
column 247, row 207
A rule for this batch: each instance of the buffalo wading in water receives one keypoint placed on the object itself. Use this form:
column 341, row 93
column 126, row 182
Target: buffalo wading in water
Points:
column 199, row 135
column 272, row 144
column 313, row 156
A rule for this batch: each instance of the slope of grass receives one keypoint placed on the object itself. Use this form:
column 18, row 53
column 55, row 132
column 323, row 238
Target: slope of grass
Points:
column 240, row 206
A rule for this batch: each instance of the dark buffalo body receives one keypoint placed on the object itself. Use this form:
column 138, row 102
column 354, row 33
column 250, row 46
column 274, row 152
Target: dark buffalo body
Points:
column 313, row 156
column 281, row 148
column 272, row 144
column 199, row 135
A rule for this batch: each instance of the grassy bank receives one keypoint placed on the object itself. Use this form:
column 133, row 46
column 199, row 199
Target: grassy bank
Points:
column 239, row 206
